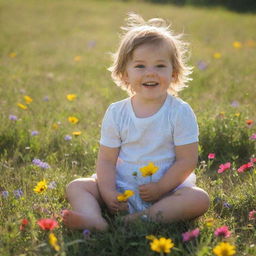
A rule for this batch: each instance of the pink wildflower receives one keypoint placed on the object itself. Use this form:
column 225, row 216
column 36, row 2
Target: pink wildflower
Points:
column 252, row 215
column 245, row 167
column 224, row 167
column 253, row 160
column 253, row 137
column 187, row 236
column 222, row 231
column 211, row 156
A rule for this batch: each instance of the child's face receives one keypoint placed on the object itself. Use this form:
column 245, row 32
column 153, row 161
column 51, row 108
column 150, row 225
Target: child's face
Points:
column 149, row 71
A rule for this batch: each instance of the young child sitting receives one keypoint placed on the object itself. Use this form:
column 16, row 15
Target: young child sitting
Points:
column 149, row 141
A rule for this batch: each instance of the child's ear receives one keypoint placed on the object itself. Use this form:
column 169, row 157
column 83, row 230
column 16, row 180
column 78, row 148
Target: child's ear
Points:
column 125, row 78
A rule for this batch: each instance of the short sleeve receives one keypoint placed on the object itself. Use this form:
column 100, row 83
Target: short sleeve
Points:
column 110, row 136
column 185, row 126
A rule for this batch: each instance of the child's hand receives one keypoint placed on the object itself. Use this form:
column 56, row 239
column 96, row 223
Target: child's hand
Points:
column 114, row 205
column 150, row 192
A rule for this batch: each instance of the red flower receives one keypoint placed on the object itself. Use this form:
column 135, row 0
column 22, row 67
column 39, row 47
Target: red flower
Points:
column 252, row 215
column 47, row 224
column 222, row 231
column 24, row 223
column 245, row 166
column 187, row 236
column 224, row 167
column 249, row 122
column 211, row 156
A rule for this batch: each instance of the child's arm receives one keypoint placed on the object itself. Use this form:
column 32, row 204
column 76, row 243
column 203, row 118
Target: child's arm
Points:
column 106, row 177
column 185, row 163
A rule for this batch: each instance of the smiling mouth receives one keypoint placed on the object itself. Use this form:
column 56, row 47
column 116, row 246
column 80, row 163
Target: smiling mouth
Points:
column 150, row 84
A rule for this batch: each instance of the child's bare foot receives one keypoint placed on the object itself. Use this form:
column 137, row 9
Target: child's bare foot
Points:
column 77, row 220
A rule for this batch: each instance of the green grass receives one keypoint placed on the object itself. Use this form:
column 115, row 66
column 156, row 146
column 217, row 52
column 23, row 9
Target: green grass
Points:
column 46, row 38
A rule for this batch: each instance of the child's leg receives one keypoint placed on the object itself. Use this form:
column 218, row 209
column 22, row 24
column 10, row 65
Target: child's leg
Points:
column 184, row 204
column 85, row 199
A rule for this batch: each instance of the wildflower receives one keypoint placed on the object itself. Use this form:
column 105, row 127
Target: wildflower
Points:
column 77, row 58
column 209, row 222
column 237, row 45
column 67, row 138
column 202, row 65
column 217, row 55
column 34, row 133
column 86, row 233
column 47, row 224
column 253, row 160
column 161, row 245
column 123, row 197
column 71, row 97
column 211, row 156
column 91, row 44
column 227, row 205
column 187, row 236
column 13, row 118
column 52, row 185
column 224, row 167
column 22, row 106
column 151, row 237
column 237, row 114
column 224, row 249
column 46, row 98
column 245, row 167
column 73, row 119
column 40, row 187
column 24, row 223
column 12, row 55
column 253, row 137
column 249, row 122
column 40, row 163
column 77, row 133
column 5, row 194
column 250, row 43
column 18, row 193
column 55, row 126
column 149, row 170
column 28, row 99
column 53, row 241
column 222, row 231
column 252, row 215
column 235, row 104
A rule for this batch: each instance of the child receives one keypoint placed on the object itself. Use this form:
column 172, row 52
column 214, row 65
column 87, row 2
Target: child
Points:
column 151, row 131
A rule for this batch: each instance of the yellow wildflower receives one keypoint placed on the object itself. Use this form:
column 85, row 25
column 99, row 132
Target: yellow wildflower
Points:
column 237, row 45
column 22, row 106
column 151, row 237
column 77, row 58
column 224, row 249
column 237, row 114
column 71, row 97
column 28, row 99
column 73, row 119
column 148, row 170
column 123, row 197
column 12, row 55
column 55, row 126
column 54, row 242
column 161, row 245
column 76, row 133
column 217, row 55
column 40, row 187
column 209, row 222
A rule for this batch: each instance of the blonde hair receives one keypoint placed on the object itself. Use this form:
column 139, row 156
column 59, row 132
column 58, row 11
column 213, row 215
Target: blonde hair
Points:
column 154, row 31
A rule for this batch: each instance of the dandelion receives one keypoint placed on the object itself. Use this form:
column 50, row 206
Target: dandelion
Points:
column 211, row 155
column 162, row 245
column 13, row 118
column 187, row 236
column 28, row 99
column 217, row 55
column 252, row 215
column 18, row 193
column 253, row 137
column 73, row 119
column 34, row 133
column 53, row 241
column 224, row 167
column 67, row 138
column 71, row 97
column 237, row 45
column 22, row 106
column 12, row 55
column 76, row 133
column 149, row 170
column 224, row 249
column 222, row 232
column 47, row 224
column 40, row 187
column 77, row 58
column 244, row 167
column 123, row 197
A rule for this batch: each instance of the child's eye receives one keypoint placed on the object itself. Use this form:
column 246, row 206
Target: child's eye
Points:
column 139, row 66
column 161, row 66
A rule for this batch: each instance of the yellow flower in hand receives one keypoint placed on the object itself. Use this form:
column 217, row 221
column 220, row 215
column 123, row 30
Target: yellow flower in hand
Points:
column 40, row 187
column 123, row 197
column 148, row 170
column 224, row 249
column 161, row 245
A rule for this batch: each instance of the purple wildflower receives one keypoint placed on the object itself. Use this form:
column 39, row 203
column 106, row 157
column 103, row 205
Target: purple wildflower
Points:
column 67, row 138
column 46, row 98
column 235, row 104
column 202, row 65
column 227, row 205
column 52, row 185
column 34, row 133
column 18, row 193
column 5, row 194
column 86, row 233
column 41, row 164
column 13, row 117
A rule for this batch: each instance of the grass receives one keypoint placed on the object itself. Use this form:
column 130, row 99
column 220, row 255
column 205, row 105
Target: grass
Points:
column 38, row 46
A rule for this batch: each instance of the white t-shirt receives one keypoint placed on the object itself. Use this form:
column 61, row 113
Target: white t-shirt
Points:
column 150, row 139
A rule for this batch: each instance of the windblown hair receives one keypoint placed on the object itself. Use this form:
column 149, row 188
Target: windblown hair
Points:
column 154, row 31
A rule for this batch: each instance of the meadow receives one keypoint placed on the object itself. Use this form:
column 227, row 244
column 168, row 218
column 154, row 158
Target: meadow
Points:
column 54, row 90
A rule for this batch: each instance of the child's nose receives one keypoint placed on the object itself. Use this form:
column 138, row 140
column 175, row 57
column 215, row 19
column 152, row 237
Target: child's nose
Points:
column 150, row 71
